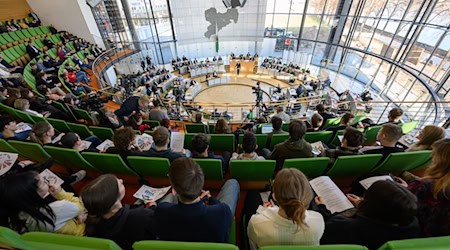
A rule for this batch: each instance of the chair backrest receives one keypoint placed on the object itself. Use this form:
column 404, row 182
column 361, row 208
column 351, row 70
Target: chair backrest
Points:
column 149, row 166
column 83, row 114
column 9, row 239
column 69, row 158
column 354, row 165
column 252, row 170
column 405, row 161
column 108, row 163
column 261, row 140
column 433, row 243
column 323, row 136
column 332, row 122
column 30, row 150
column 60, row 241
column 196, row 128
column 152, row 123
column 38, row 118
column 285, row 127
column 278, row 138
column 178, row 245
column 80, row 129
column 311, row 167
column 322, row 247
column 188, row 140
column 212, row 168
column 222, row 142
column 24, row 116
column 102, row 133
column 6, row 147
column 409, row 126
column 371, row 134
column 60, row 125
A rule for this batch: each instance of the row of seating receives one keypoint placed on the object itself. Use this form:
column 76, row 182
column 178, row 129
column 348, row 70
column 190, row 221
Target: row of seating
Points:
column 50, row 241
column 12, row 38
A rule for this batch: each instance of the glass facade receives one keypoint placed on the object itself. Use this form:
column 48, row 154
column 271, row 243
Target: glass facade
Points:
column 384, row 44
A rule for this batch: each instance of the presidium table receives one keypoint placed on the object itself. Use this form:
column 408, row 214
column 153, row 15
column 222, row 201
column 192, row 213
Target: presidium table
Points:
column 247, row 66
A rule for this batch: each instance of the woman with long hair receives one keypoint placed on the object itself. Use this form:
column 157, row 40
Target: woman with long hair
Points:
column 124, row 144
column 42, row 133
column 433, row 192
column 289, row 223
column 30, row 203
column 427, row 136
column 221, row 127
column 108, row 218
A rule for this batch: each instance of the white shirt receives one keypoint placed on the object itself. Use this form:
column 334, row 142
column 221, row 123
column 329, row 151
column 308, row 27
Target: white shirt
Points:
column 267, row 228
column 283, row 116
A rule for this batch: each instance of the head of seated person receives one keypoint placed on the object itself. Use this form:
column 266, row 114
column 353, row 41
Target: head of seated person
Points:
column 353, row 139
column 135, row 121
column 161, row 138
column 42, row 133
column 249, row 145
column 427, row 136
column 124, row 140
column 71, row 140
column 187, row 179
column 395, row 115
column 276, row 123
column 347, row 119
column 389, row 134
column 320, row 108
column 198, row 117
column 297, row 130
column 21, row 104
column 316, row 121
column 200, row 144
column 221, row 127
column 7, row 126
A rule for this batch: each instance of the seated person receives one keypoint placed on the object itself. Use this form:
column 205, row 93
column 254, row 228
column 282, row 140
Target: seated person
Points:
column 80, row 63
column 281, row 114
column 42, row 79
column 43, row 106
column 387, row 212
column 249, row 146
column 200, row 149
column 394, row 116
column 135, row 122
column 24, row 105
column 156, row 113
column 109, row 219
column 277, row 123
column 427, row 136
column 43, row 133
column 346, row 120
column 316, row 123
column 350, row 145
column 109, row 119
column 161, row 138
column 43, row 90
column 325, row 115
column 31, row 204
column 125, row 144
column 192, row 214
column 221, row 127
column 388, row 136
column 294, row 147
column 73, row 141
column 8, row 127
column 288, row 222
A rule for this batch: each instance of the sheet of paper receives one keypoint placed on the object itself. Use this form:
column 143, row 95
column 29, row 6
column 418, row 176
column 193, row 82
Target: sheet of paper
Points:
column 264, row 196
column 144, row 141
column 58, row 138
column 85, row 145
column 332, row 196
column 317, row 147
column 51, row 178
column 147, row 193
column 105, row 145
column 340, row 137
column 21, row 127
column 7, row 161
column 366, row 183
column 177, row 141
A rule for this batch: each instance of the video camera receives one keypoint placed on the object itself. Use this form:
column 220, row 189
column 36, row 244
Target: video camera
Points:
column 94, row 103
column 258, row 92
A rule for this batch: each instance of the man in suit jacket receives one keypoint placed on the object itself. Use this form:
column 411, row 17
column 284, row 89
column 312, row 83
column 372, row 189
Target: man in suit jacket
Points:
column 32, row 50
column 9, row 67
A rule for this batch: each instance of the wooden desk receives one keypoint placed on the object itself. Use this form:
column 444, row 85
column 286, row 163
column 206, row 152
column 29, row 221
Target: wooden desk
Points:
column 246, row 66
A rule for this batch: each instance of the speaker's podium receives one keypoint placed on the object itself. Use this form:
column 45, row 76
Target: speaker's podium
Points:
column 247, row 66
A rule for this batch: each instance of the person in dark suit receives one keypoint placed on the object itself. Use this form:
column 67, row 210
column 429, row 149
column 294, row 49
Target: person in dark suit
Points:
column 32, row 50
column 134, row 103
column 10, row 68
column 238, row 68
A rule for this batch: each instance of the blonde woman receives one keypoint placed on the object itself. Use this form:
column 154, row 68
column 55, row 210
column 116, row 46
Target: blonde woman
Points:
column 289, row 223
column 427, row 136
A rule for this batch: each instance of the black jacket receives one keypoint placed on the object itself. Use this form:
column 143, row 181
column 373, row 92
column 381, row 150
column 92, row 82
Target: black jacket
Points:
column 127, row 226
column 168, row 153
column 127, row 107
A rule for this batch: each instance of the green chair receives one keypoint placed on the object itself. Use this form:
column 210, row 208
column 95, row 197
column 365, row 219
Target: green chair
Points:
column 409, row 126
column 261, row 140
column 278, row 138
column 9, row 239
column 60, row 125
column 81, row 130
column 69, row 158
column 359, row 118
column 60, row 106
column 332, row 122
column 30, row 150
column 322, row 247
column 108, row 163
column 102, row 133
column 371, row 134
column 38, row 118
column 196, row 128
column 188, row 140
column 83, row 114
column 149, row 166
column 222, row 142
column 311, row 167
column 285, row 127
column 354, row 165
column 6, row 147
column 433, row 243
column 152, row 123
column 212, row 128
column 178, row 245
column 323, row 136
column 252, row 170
column 24, row 116
column 405, row 161
column 54, row 241
column 212, row 168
